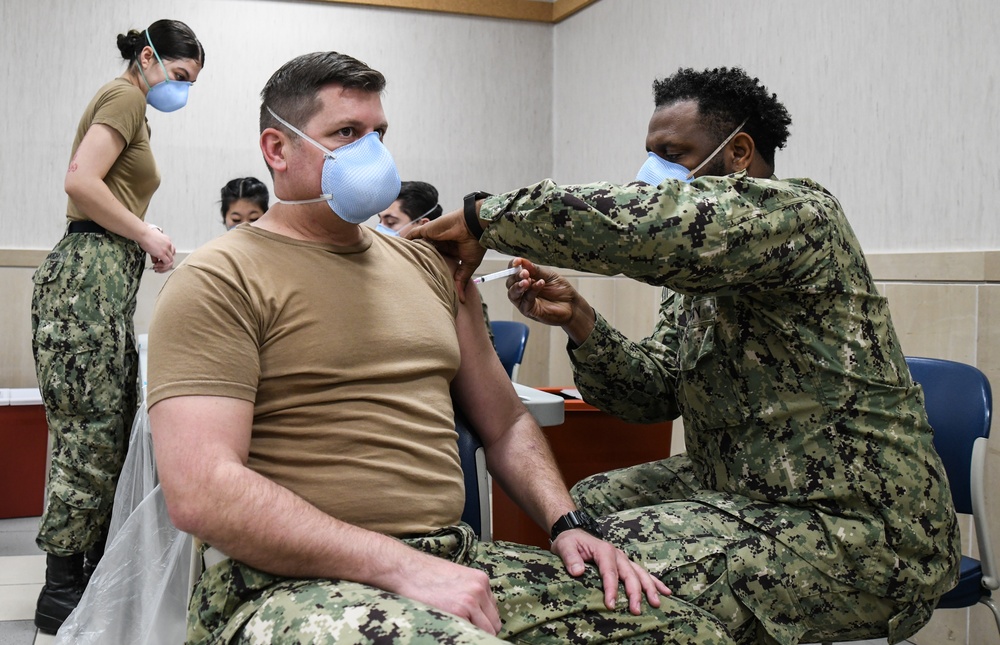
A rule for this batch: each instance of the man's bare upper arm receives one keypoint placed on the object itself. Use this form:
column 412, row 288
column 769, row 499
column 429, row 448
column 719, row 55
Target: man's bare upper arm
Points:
column 482, row 386
column 193, row 433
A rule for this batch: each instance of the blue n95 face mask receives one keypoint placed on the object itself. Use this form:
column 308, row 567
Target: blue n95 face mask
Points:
column 656, row 169
column 167, row 95
column 359, row 179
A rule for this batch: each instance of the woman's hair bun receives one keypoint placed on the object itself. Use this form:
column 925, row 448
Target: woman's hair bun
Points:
column 131, row 44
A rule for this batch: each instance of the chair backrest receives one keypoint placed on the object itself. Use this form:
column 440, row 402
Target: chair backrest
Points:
column 477, row 512
column 510, row 339
column 959, row 405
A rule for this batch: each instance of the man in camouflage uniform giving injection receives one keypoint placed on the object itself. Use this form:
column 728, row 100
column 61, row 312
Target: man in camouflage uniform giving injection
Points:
column 810, row 504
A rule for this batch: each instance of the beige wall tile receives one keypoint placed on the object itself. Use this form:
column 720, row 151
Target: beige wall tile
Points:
column 599, row 292
column 927, row 267
column 17, row 368
column 936, row 320
column 636, row 308
column 988, row 349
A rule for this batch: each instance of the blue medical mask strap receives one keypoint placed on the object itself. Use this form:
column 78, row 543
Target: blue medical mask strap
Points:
column 166, row 74
column 328, row 153
column 721, row 146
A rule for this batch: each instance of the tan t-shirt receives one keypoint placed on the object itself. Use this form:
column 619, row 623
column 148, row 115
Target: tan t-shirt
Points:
column 347, row 354
column 134, row 177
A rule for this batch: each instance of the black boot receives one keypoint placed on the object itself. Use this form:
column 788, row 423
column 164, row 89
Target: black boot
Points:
column 61, row 592
column 91, row 557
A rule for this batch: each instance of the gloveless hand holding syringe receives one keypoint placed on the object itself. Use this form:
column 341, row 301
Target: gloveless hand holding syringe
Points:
column 496, row 275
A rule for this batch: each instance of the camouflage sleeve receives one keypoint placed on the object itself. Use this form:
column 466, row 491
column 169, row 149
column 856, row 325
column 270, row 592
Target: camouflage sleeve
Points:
column 713, row 235
column 632, row 381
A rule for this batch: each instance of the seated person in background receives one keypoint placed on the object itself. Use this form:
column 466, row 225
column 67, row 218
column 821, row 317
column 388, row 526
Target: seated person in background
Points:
column 417, row 201
column 244, row 199
column 312, row 445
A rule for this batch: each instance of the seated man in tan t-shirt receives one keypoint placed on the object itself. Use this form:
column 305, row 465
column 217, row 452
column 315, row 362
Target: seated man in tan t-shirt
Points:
column 312, row 446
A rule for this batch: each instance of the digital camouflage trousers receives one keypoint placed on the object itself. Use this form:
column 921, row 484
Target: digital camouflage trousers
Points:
column 759, row 588
column 87, row 367
column 538, row 602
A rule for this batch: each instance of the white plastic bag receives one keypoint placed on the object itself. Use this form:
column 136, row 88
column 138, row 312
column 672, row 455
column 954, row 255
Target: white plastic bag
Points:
column 138, row 593
column 138, row 477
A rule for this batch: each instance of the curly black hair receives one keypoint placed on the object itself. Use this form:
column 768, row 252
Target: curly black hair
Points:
column 725, row 97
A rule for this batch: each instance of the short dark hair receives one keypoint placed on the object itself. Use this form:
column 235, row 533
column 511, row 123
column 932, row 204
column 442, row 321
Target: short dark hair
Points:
column 171, row 39
column 244, row 188
column 292, row 90
column 416, row 198
column 726, row 96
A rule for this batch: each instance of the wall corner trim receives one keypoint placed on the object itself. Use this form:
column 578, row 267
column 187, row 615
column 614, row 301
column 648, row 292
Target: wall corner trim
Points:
column 528, row 10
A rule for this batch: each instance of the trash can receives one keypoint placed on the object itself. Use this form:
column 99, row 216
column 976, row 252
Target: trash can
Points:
column 587, row 442
column 24, row 437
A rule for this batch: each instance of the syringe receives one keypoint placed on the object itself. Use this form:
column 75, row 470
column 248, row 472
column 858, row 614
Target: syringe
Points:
column 496, row 275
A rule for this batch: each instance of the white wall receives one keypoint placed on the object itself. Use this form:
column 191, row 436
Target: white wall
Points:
column 468, row 99
column 894, row 103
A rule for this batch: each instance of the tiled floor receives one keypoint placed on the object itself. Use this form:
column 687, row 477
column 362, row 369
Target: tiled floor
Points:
column 22, row 570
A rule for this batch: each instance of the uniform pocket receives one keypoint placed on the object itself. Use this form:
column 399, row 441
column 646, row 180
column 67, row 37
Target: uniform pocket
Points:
column 698, row 335
column 73, row 367
column 706, row 391
column 49, row 269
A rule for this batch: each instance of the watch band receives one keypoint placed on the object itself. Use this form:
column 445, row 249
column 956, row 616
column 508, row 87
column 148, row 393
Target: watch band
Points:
column 471, row 216
column 574, row 520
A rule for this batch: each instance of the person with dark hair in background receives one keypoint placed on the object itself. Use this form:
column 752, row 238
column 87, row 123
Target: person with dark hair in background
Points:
column 417, row 202
column 244, row 199
column 811, row 504
column 84, row 301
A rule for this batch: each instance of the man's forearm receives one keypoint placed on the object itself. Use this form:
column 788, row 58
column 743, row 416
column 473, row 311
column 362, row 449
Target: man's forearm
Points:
column 264, row 525
column 522, row 463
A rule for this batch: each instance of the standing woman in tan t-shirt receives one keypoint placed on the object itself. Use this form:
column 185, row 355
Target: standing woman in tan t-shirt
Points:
column 84, row 302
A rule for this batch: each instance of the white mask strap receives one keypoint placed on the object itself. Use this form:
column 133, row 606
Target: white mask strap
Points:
column 321, row 198
column 707, row 159
column 302, row 134
column 415, row 220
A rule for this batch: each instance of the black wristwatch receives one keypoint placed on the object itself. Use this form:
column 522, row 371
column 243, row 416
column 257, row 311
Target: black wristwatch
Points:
column 574, row 520
column 471, row 215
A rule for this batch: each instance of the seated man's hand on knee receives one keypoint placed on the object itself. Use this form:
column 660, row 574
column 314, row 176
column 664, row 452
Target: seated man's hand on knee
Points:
column 577, row 547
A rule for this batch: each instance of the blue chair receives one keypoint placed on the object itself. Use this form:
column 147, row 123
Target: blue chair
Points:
column 959, row 405
column 477, row 512
column 510, row 338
